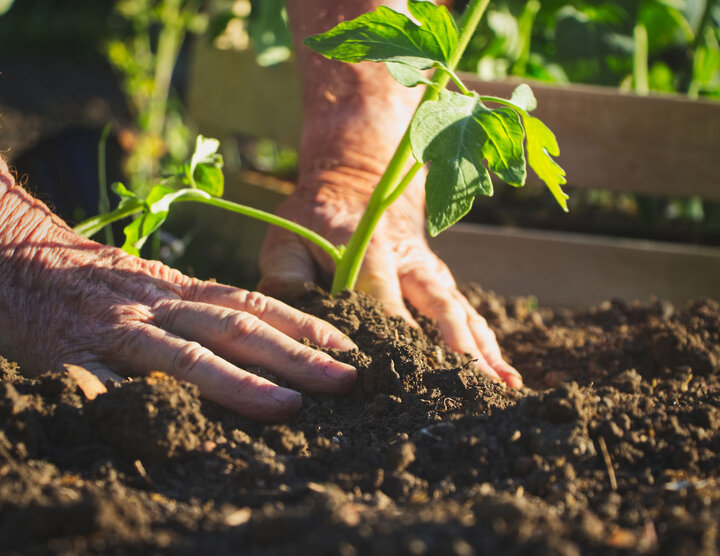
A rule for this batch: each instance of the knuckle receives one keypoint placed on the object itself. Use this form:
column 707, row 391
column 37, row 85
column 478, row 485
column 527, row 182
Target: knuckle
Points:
column 188, row 358
column 240, row 326
column 256, row 303
column 165, row 311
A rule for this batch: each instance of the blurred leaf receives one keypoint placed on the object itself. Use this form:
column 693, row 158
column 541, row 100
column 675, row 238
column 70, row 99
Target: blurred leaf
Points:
column 5, row 5
column 662, row 78
column 269, row 31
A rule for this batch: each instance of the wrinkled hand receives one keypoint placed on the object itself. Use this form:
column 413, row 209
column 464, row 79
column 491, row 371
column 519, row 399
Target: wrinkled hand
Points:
column 64, row 299
column 399, row 264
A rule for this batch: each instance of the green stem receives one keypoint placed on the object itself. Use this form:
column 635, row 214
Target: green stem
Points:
column 402, row 186
column 93, row 225
column 391, row 184
column 273, row 219
column 169, row 41
column 691, row 86
column 103, row 200
column 640, row 60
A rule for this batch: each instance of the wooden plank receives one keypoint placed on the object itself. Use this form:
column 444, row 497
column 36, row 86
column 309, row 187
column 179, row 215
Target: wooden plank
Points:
column 565, row 269
column 229, row 93
column 662, row 145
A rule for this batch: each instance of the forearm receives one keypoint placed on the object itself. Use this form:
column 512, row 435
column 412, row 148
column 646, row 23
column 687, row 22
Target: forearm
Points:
column 355, row 114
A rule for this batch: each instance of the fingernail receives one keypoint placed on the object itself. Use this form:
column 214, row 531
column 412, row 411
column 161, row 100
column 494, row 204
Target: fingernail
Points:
column 284, row 395
column 339, row 371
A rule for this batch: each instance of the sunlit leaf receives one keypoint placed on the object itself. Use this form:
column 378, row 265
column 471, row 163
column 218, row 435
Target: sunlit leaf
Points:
column 458, row 134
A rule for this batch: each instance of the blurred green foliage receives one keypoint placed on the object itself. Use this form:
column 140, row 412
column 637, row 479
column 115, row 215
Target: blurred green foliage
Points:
column 645, row 45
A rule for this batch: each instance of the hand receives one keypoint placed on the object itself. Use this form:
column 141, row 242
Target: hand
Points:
column 64, row 299
column 398, row 264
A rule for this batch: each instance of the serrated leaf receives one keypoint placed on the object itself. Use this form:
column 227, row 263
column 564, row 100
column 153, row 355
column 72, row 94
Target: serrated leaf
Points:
column 541, row 144
column 457, row 133
column 385, row 35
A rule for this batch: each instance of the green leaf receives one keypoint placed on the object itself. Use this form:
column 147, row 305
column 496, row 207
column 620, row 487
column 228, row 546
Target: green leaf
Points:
column 5, row 5
column 388, row 36
column 156, row 210
column 210, row 178
column 206, row 164
column 524, row 98
column 541, row 143
column 127, row 197
column 407, row 75
column 457, row 133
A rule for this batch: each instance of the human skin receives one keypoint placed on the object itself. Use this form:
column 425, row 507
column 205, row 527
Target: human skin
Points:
column 68, row 300
column 355, row 115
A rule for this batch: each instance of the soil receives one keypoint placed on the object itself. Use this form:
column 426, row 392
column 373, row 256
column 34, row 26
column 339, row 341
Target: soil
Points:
column 614, row 447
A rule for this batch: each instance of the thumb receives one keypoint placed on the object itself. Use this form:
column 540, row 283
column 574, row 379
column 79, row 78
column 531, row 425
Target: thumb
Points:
column 286, row 265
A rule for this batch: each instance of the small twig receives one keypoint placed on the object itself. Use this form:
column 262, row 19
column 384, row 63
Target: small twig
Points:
column 608, row 463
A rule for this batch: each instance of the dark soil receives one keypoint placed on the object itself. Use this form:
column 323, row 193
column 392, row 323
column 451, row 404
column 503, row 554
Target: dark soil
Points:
column 615, row 450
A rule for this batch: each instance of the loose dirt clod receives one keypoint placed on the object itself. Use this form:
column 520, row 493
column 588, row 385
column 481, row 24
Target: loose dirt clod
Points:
column 615, row 449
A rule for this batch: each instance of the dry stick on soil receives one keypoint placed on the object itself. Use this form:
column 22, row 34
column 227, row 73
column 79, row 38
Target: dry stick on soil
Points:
column 608, row 463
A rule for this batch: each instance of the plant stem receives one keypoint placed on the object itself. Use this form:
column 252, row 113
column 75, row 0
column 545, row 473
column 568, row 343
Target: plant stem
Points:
column 273, row 219
column 640, row 60
column 691, row 85
column 93, row 225
column 169, row 41
column 391, row 185
column 103, row 201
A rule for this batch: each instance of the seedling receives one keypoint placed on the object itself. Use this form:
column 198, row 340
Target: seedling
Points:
column 456, row 132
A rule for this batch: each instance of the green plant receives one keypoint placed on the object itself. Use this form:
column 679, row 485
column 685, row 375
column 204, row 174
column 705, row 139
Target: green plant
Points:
column 457, row 132
column 145, row 51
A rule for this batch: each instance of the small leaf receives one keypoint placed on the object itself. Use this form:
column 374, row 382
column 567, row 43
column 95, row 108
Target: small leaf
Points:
column 127, row 197
column 210, row 178
column 523, row 97
column 206, row 155
column 541, row 143
column 407, row 75
column 157, row 203
column 456, row 133
column 388, row 36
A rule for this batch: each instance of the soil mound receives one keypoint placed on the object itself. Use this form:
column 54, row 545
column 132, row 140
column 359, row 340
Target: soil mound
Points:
column 613, row 448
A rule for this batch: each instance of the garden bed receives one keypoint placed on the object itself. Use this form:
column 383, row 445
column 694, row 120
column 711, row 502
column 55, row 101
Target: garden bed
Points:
column 614, row 448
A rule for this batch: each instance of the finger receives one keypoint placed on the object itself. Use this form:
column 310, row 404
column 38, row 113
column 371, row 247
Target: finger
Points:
column 487, row 342
column 242, row 337
column 432, row 294
column 286, row 265
column 149, row 348
column 277, row 314
column 379, row 278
